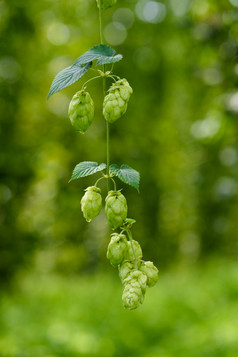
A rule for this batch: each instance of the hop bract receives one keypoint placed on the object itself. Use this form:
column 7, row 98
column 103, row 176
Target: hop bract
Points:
column 115, row 102
column 125, row 269
column 106, row 4
column 137, row 250
column 134, row 290
column 91, row 203
column 81, row 111
column 115, row 208
column 117, row 249
column 151, row 272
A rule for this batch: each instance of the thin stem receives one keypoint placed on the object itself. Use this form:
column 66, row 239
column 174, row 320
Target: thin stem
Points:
column 101, row 178
column 91, row 79
column 114, row 183
column 112, row 77
column 132, row 246
column 100, row 22
column 108, row 153
column 104, row 93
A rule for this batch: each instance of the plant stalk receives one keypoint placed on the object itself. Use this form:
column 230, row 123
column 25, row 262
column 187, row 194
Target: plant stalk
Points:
column 104, row 93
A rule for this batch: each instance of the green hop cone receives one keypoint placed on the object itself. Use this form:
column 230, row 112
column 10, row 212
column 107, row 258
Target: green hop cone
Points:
column 91, row 203
column 106, row 4
column 137, row 250
column 81, row 111
column 117, row 249
column 134, row 290
column 115, row 208
column 125, row 269
column 151, row 272
column 115, row 102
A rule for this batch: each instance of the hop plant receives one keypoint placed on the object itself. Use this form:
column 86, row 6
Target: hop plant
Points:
column 81, row 111
column 134, row 290
column 115, row 208
column 151, row 272
column 137, row 250
column 117, row 249
column 106, row 4
column 124, row 254
column 115, row 102
column 91, row 203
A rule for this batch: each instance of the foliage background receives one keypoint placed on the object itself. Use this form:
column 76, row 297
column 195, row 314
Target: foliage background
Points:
column 180, row 132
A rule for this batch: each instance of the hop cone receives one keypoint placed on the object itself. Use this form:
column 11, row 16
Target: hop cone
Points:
column 117, row 249
column 125, row 269
column 115, row 209
column 91, row 203
column 115, row 102
column 134, row 290
column 106, row 4
column 151, row 272
column 137, row 250
column 81, row 111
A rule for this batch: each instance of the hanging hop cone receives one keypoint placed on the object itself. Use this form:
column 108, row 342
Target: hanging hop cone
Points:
column 91, row 203
column 137, row 250
column 81, row 111
column 134, row 290
column 117, row 249
column 106, row 4
column 151, row 272
column 115, row 209
column 125, row 269
column 115, row 102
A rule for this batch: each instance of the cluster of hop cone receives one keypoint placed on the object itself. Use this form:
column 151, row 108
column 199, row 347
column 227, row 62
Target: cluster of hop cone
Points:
column 125, row 254
column 81, row 107
column 134, row 273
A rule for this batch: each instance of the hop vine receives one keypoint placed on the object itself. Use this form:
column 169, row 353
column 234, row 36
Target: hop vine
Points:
column 123, row 252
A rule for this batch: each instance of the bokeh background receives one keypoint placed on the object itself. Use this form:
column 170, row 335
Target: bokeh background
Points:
column 59, row 295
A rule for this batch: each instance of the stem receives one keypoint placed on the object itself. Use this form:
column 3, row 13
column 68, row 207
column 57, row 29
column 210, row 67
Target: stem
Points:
column 101, row 178
column 114, row 183
column 91, row 79
column 133, row 250
column 104, row 93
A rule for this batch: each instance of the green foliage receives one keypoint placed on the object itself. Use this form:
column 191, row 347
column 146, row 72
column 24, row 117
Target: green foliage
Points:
column 102, row 53
column 68, row 76
column 126, row 174
column 86, row 168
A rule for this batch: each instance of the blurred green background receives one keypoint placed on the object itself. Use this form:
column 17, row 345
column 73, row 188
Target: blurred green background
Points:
column 59, row 295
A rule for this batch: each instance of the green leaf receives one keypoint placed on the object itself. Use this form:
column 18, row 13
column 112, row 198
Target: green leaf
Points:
column 103, row 53
column 68, row 76
column 86, row 168
column 126, row 174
